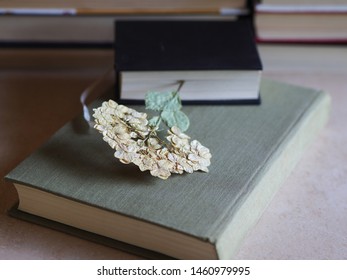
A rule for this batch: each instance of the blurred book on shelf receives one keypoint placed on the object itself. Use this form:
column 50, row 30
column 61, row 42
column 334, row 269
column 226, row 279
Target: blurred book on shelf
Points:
column 91, row 22
column 310, row 21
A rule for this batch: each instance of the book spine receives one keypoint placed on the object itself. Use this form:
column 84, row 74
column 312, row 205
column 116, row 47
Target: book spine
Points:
column 302, row 9
column 293, row 41
column 37, row 11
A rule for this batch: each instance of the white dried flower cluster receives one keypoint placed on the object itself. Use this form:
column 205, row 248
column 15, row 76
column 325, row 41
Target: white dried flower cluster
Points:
column 135, row 141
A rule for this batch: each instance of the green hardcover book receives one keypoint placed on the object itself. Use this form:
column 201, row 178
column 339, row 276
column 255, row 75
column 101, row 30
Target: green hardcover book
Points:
column 75, row 182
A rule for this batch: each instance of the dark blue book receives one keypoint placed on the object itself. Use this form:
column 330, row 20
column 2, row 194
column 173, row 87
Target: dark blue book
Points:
column 217, row 60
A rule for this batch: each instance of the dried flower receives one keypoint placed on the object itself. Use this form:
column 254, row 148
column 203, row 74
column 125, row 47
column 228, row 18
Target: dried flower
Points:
column 136, row 141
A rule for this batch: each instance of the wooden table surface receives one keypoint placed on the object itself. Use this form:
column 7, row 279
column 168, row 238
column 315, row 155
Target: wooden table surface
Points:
column 307, row 219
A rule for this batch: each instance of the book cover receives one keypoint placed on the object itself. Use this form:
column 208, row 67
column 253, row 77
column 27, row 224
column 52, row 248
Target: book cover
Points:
column 74, row 179
column 218, row 56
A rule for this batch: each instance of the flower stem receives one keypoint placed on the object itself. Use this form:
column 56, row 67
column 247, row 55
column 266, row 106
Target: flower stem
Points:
column 181, row 82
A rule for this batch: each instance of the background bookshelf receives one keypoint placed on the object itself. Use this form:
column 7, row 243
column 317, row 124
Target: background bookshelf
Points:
column 301, row 21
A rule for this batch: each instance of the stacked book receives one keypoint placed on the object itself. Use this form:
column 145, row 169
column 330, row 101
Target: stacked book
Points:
column 74, row 184
column 217, row 60
column 310, row 21
column 90, row 22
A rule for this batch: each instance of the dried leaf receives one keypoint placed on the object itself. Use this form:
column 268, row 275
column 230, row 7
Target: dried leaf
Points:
column 157, row 101
column 174, row 104
column 175, row 118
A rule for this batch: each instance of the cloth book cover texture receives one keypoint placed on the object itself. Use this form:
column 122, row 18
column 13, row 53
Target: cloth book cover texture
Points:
column 209, row 56
column 253, row 149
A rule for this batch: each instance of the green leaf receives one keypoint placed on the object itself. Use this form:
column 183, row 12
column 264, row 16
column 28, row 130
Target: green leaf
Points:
column 157, row 100
column 176, row 118
column 174, row 104
column 169, row 104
